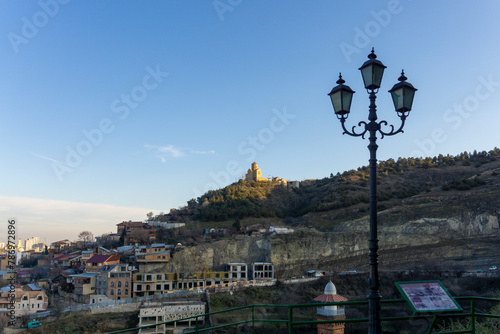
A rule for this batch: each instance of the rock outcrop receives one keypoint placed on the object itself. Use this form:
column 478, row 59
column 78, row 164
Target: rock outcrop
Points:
column 308, row 248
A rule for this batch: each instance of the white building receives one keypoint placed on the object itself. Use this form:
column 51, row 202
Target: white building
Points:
column 262, row 270
column 238, row 271
column 155, row 313
column 28, row 244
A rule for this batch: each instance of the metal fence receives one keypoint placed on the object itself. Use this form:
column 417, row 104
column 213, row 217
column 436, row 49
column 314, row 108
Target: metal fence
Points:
column 293, row 322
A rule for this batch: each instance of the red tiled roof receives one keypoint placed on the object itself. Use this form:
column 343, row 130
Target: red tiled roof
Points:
column 330, row 298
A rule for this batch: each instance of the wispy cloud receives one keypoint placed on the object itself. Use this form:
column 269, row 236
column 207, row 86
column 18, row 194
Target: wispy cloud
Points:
column 50, row 159
column 203, row 152
column 167, row 152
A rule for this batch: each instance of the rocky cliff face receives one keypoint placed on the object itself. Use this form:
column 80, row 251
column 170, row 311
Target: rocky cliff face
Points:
column 308, row 248
column 215, row 255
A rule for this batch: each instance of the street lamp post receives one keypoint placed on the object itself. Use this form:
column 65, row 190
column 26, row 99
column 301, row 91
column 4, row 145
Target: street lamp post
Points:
column 402, row 96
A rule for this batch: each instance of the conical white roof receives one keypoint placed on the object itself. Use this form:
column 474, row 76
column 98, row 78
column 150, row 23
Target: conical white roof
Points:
column 330, row 289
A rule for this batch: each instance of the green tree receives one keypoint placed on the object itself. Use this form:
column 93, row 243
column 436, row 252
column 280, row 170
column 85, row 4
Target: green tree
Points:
column 237, row 224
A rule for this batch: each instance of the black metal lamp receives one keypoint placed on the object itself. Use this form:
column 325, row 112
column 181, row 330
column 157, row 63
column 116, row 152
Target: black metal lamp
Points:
column 341, row 97
column 372, row 71
column 402, row 95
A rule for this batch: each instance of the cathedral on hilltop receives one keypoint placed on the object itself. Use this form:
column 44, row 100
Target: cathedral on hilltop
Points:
column 254, row 174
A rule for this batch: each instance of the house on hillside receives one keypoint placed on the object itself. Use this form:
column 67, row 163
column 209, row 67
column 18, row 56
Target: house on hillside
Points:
column 96, row 262
column 60, row 245
column 136, row 232
column 114, row 282
column 84, row 286
column 29, row 299
column 64, row 260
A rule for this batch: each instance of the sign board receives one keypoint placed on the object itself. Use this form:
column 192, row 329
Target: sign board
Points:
column 427, row 296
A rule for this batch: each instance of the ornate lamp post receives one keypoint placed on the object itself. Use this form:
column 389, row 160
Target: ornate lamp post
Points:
column 402, row 96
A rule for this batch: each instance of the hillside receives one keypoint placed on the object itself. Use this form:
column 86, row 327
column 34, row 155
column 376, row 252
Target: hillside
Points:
column 438, row 212
column 439, row 185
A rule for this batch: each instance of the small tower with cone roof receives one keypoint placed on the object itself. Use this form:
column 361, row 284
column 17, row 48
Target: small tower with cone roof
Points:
column 332, row 312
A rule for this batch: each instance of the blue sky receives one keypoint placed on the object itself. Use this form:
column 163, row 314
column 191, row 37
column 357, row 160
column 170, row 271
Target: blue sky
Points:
column 109, row 110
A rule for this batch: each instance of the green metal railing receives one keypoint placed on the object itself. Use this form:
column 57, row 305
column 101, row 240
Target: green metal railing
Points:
column 471, row 313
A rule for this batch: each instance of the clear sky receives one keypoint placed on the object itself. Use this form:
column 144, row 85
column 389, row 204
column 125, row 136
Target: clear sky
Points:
column 112, row 109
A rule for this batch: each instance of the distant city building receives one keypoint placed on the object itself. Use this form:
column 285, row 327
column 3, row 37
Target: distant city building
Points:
column 20, row 247
column 30, row 242
column 38, row 247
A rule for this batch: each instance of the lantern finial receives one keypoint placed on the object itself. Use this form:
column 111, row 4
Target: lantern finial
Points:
column 402, row 77
column 340, row 80
column 372, row 55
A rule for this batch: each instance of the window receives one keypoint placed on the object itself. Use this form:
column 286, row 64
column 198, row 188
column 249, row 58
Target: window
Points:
column 112, row 292
column 126, row 284
column 158, row 287
column 148, row 278
column 139, row 277
column 119, row 284
column 119, row 292
column 39, row 298
column 25, row 297
column 139, row 287
column 112, row 284
column 126, row 292
column 158, row 277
